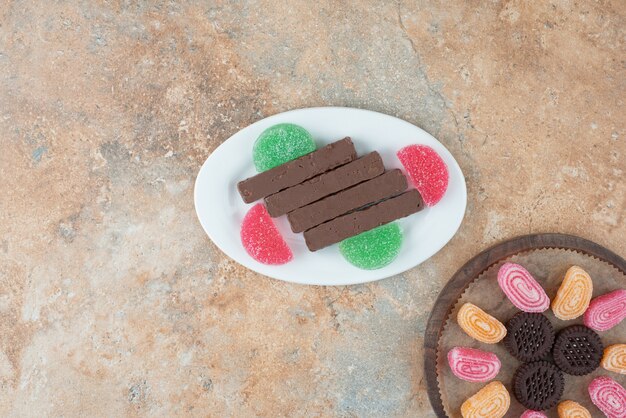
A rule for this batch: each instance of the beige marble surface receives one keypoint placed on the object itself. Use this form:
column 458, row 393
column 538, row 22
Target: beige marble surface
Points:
column 113, row 302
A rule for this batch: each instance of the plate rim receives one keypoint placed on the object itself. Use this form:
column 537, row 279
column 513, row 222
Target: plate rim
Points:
column 327, row 282
column 465, row 275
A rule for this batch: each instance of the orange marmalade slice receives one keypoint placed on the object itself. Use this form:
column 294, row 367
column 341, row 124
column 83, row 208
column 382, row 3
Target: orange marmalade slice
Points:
column 572, row 298
column 480, row 325
column 492, row 401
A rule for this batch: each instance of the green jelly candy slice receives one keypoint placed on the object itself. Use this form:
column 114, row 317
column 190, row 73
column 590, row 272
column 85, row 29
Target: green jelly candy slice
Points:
column 279, row 144
column 373, row 249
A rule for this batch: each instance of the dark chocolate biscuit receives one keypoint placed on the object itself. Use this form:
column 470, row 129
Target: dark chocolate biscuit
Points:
column 577, row 350
column 529, row 336
column 539, row 385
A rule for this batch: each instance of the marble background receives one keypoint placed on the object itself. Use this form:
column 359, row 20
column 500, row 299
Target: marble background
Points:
column 113, row 302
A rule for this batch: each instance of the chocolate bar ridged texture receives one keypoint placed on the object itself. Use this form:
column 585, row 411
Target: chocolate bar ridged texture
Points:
column 296, row 171
column 355, row 172
column 354, row 223
column 386, row 185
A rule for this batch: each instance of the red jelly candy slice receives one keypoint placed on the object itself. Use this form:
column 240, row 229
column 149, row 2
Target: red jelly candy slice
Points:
column 261, row 238
column 427, row 171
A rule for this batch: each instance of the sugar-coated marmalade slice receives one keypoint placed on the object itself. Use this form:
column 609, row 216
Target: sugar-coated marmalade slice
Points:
column 609, row 396
column 281, row 143
column 373, row 249
column 480, row 325
column 533, row 414
column 473, row 365
column 614, row 358
column 571, row 409
column 261, row 238
column 492, row 401
column 427, row 171
column 606, row 311
column 522, row 289
column 574, row 294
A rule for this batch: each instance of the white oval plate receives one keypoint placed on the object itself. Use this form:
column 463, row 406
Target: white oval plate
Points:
column 221, row 210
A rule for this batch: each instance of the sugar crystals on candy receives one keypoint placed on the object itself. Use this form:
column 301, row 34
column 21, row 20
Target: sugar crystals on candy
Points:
column 571, row 409
column 492, row 401
column 479, row 325
column 609, row 396
column 373, row 249
column 614, row 358
column 572, row 298
column 427, row 171
column 606, row 311
column 473, row 365
column 261, row 238
column 522, row 289
column 281, row 143
column 533, row 414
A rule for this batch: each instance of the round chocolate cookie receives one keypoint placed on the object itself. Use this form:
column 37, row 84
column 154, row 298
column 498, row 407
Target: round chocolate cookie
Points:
column 577, row 350
column 539, row 385
column 529, row 336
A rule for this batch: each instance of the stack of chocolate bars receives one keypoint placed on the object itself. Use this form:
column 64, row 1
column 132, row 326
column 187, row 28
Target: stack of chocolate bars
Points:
column 331, row 195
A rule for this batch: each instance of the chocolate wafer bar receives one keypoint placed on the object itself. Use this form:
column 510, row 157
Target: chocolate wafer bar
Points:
column 386, row 185
column 348, row 175
column 354, row 223
column 296, row 171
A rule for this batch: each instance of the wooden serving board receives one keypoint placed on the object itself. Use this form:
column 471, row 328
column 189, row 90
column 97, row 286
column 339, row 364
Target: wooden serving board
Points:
column 473, row 268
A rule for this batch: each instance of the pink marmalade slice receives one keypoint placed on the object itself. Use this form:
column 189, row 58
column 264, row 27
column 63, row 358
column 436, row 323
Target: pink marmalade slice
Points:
column 606, row 311
column 609, row 396
column 427, row 171
column 533, row 414
column 261, row 238
column 473, row 365
column 522, row 289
